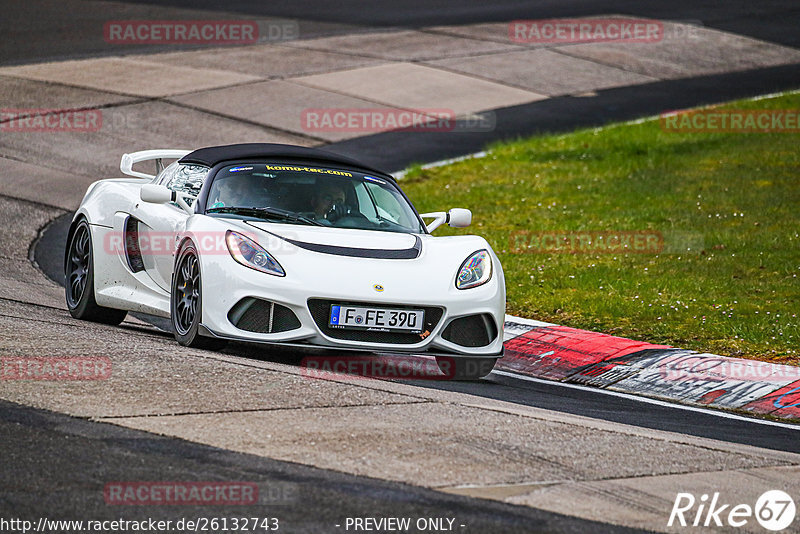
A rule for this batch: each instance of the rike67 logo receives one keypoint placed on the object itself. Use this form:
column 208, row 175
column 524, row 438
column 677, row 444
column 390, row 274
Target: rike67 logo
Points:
column 774, row 510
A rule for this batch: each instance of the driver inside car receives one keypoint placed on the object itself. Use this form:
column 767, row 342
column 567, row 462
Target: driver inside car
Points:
column 232, row 191
column 241, row 191
column 328, row 201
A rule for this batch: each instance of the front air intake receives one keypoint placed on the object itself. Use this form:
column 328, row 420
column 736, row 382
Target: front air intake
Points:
column 471, row 331
column 262, row 316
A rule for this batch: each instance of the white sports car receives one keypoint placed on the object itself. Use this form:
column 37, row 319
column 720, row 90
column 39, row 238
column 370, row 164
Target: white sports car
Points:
column 281, row 244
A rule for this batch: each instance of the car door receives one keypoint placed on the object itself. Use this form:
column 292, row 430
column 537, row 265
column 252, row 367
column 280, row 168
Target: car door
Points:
column 160, row 225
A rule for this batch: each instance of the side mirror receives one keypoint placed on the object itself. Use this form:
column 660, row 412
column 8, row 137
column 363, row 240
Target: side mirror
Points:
column 456, row 218
column 156, row 194
column 459, row 218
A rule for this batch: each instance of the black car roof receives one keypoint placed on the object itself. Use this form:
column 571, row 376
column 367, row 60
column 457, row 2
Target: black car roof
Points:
column 213, row 155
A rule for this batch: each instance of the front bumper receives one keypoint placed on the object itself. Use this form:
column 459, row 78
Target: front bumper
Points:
column 394, row 349
column 226, row 284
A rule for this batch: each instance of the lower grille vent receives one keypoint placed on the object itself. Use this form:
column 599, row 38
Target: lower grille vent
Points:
column 262, row 316
column 321, row 308
column 471, row 331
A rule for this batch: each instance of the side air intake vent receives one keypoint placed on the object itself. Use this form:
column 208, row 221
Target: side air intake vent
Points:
column 132, row 251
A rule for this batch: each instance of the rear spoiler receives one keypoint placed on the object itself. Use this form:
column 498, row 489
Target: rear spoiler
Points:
column 129, row 160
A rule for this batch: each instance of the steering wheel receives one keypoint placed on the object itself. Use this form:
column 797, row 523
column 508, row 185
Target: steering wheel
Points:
column 336, row 212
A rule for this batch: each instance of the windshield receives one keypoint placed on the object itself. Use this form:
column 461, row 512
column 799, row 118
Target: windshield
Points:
column 299, row 194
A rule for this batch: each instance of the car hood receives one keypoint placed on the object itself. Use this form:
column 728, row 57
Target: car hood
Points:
column 338, row 273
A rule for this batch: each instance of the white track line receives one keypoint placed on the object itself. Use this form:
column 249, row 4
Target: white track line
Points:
column 442, row 162
column 648, row 400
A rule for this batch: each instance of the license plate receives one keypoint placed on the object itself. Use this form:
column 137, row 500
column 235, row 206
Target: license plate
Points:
column 367, row 318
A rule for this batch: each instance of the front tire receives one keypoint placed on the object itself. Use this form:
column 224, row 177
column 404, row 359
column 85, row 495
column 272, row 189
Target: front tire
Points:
column 459, row 368
column 186, row 302
column 79, row 280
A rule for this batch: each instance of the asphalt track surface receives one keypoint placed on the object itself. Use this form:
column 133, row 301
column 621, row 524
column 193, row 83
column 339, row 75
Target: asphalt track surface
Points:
column 54, row 465
column 770, row 21
column 53, row 462
column 41, row 30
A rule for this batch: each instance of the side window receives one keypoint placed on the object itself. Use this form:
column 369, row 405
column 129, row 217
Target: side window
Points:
column 165, row 175
column 186, row 179
column 389, row 204
column 365, row 204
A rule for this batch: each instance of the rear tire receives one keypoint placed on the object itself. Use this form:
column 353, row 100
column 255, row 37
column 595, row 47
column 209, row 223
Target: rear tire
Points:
column 186, row 302
column 459, row 368
column 79, row 280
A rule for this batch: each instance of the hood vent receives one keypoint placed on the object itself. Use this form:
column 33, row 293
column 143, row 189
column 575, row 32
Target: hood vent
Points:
column 411, row 253
column 377, row 253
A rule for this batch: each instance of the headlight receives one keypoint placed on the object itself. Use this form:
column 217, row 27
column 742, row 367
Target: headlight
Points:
column 250, row 254
column 475, row 271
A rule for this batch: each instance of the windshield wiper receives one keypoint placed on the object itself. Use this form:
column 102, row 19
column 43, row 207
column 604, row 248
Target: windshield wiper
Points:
column 273, row 213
